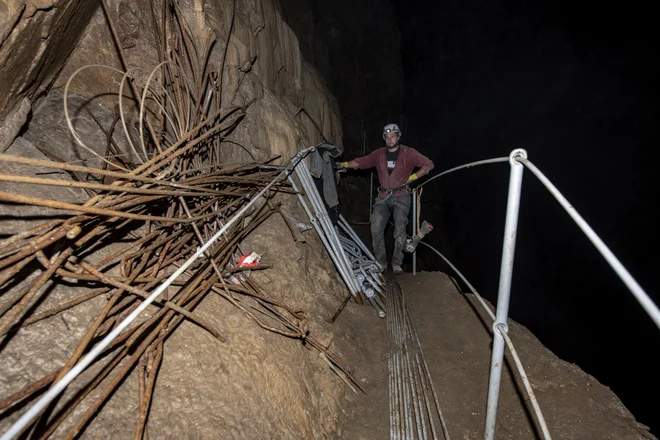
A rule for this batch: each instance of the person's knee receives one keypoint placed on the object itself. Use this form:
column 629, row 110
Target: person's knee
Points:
column 378, row 224
column 377, row 228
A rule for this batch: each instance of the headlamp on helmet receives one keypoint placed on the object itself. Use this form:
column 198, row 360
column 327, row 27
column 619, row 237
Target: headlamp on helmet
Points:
column 392, row 128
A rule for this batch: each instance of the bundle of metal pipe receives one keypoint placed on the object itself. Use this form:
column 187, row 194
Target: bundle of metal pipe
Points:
column 414, row 405
column 366, row 269
column 356, row 265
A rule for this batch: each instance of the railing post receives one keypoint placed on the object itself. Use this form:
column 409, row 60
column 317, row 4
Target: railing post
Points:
column 371, row 194
column 504, row 290
column 414, row 228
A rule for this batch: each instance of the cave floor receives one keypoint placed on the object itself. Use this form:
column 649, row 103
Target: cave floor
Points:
column 454, row 332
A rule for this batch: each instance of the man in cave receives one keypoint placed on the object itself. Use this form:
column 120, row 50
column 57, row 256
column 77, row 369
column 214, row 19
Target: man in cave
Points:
column 394, row 164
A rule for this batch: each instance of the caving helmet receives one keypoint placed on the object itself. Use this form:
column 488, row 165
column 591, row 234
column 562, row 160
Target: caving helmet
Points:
column 389, row 128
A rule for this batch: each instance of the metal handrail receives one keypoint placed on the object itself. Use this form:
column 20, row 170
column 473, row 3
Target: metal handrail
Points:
column 518, row 160
column 509, row 343
column 646, row 302
column 467, row 165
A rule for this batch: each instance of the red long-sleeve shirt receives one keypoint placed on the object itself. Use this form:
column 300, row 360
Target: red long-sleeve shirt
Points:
column 408, row 160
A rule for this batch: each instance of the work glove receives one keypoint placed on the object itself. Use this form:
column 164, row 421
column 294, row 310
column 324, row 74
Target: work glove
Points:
column 412, row 177
column 342, row 164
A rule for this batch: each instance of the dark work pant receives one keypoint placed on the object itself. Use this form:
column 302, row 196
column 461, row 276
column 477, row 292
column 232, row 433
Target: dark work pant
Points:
column 399, row 207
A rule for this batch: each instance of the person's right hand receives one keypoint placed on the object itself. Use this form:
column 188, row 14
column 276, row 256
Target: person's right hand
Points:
column 342, row 164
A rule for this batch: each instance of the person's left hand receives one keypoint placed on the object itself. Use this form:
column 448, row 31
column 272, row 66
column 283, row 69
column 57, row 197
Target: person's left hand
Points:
column 412, row 177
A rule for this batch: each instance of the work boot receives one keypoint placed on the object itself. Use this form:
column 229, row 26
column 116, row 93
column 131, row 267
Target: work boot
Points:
column 397, row 269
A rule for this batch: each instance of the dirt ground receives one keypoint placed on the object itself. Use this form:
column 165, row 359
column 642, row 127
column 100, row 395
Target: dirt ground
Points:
column 454, row 333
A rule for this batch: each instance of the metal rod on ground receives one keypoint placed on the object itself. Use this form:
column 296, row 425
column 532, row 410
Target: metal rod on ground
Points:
column 394, row 395
column 426, row 398
column 393, row 434
column 403, row 394
column 395, row 400
column 504, row 291
column 415, row 409
column 410, row 351
column 397, row 362
column 445, row 431
column 402, row 398
column 340, row 309
column 408, row 392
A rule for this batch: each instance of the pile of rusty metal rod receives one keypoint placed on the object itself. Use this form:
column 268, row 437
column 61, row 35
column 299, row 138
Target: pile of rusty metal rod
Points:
column 168, row 221
column 414, row 405
column 163, row 205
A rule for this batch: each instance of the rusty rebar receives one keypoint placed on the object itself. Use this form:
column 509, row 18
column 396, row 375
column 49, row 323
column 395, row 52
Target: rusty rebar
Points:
column 142, row 294
column 184, row 194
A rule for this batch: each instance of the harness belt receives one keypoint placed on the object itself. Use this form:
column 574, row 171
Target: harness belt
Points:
column 390, row 191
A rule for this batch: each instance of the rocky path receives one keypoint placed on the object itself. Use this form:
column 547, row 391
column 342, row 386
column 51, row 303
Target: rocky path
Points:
column 454, row 333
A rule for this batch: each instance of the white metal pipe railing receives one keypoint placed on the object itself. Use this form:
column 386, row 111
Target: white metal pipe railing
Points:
column 528, row 386
column 60, row 385
column 504, row 290
column 414, row 228
column 467, row 165
column 517, row 159
column 474, row 291
column 646, row 302
column 451, row 170
column 371, row 194
column 509, row 343
column 640, row 294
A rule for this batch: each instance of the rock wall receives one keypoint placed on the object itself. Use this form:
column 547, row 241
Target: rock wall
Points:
column 357, row 48
column 258, row 384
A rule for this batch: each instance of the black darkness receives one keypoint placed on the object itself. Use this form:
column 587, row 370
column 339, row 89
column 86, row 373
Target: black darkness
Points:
column 573, row 84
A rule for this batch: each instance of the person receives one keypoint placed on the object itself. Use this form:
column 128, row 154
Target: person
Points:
column 394, row 164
